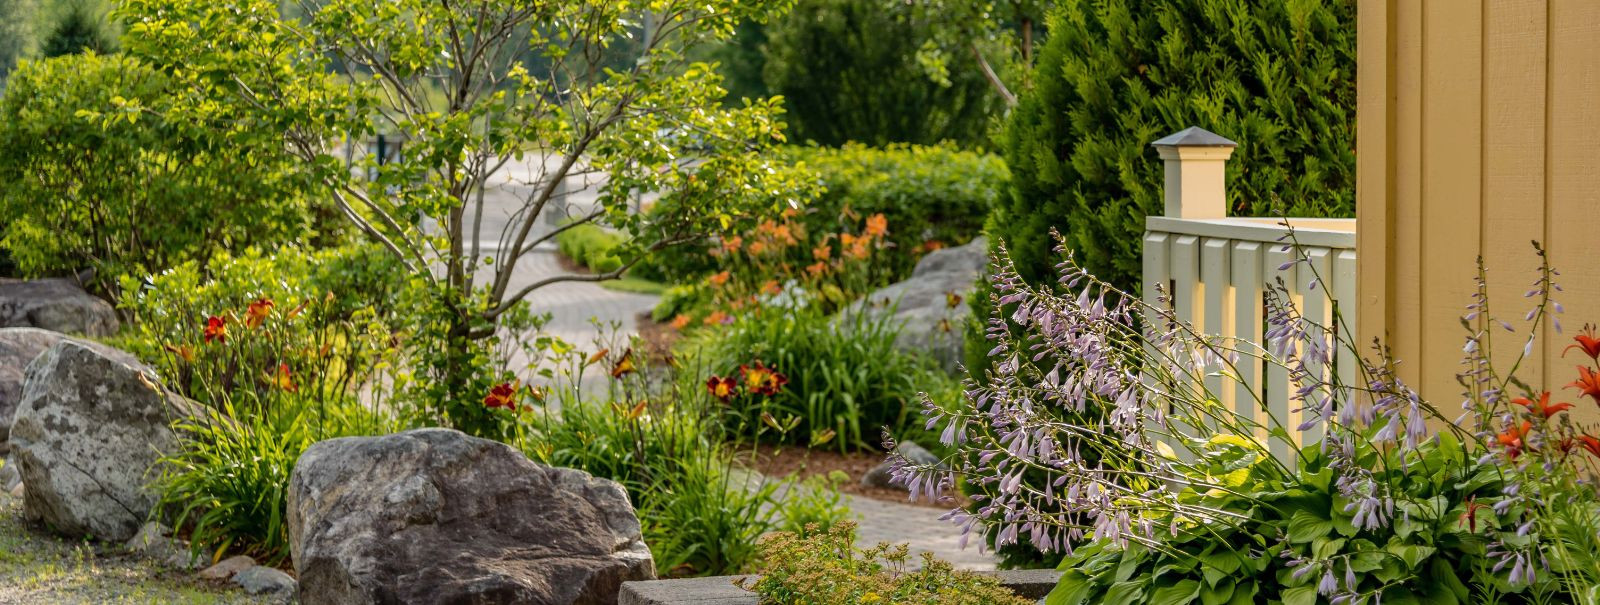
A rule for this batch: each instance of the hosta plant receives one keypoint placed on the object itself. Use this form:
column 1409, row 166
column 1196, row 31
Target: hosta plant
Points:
column 1096, row 436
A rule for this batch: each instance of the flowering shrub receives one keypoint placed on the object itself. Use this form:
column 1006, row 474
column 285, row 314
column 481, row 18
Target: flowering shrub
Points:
column 1096, row 436
column 823, row 567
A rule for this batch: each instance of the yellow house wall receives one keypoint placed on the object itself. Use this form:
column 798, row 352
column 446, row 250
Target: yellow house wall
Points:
column 1478, row 132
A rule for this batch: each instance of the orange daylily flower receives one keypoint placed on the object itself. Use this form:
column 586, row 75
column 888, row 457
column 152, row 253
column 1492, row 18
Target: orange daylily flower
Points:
column 732, row 244
column 860, row 249
column 1511, row 439
column 771, row 287
column 283, row 380
column 822, row 252
column 1542, row 407
column 258, row 312
column 680, row 322
column 757, row 248
column 722, row 388
column 1588, row 383
column 877, row 225
column 624, row 366
column 717, row 318
column 846, row 239
column 185, row 352
column 596, row 357
column 216, row 329
column 297, row 310
column 503, row 395
column 720, row 278
column 817, row 268
column 1587, row 342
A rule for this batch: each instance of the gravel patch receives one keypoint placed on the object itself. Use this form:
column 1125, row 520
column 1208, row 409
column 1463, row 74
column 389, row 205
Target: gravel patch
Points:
column 36, row 567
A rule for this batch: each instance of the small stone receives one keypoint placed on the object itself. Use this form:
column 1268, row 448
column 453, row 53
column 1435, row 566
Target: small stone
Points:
column 879, row 475
column 228, row 567
column 16, row 492
column 154, row 542
column 261, row 579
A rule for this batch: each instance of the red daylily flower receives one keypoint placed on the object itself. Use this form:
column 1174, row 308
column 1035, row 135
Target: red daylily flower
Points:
column 216, row 329
column 1470, row 518
column 1587, row 342
column 1542, row 407
column 762, row 380
column 1588, row 383
column 503, row 395
column 722, row 388
column 1511, row 439
column 257, row 313
column 1584, row 441
column 283, row 380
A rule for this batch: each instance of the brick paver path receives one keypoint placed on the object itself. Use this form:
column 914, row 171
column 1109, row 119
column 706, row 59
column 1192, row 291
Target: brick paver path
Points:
column 920, row 527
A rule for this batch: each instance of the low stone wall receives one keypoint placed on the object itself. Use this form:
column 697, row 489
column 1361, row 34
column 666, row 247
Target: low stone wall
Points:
column 721, row 590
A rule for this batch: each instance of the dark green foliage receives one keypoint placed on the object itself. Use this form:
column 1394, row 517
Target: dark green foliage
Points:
column 1276, row 76
column 742, row 60
column 78, row 30
column 848, row 70
column 16, row 33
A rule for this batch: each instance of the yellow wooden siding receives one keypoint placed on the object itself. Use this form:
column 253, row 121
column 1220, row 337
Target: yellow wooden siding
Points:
column 1479, row 132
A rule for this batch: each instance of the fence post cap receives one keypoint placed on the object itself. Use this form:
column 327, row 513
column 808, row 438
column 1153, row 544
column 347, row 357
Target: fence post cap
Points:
column 1194, row 136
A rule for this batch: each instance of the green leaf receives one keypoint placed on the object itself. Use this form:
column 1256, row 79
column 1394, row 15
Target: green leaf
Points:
column 1411, row 554
column 1124, row 593
column 1305, row 526
column 1072, row 589
column 1244, row 594
column 1300, row 595
column 1177, row 594
column 1217, row 595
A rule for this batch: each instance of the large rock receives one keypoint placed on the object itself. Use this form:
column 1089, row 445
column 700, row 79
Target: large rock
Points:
column 883, row 474
column 18, row 348
column 931, row 306
column 86, row 435
column 435, row 516
column 58, row 305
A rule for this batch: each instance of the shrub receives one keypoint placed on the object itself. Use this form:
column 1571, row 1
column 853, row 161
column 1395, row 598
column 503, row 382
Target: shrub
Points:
column 932, row 197
column 824, row 567
column 845, row 378
column 592, row 246
column 1097, row 437
column 101, row 175
column 278, row 349
column 849, row 71
column 1278, row 77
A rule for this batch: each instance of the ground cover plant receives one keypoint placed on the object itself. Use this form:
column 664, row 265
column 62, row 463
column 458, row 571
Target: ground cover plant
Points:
column 824, row 567
column 1183, row 500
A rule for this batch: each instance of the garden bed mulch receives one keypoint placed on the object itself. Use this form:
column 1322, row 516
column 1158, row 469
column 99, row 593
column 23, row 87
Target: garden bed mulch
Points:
column 775, row 461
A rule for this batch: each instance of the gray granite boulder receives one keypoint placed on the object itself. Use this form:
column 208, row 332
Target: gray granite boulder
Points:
column 931, row 306
column 58, row 305
column 18, row 348
column 86, row 435
column 436, row 516
column 263, row 580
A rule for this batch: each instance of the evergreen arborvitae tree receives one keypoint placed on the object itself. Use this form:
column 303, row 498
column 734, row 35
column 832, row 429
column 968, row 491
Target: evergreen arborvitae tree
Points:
column 848, row 71
column 79, row 30
column 1278, row 76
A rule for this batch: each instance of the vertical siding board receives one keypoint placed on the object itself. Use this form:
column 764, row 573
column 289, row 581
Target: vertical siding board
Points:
column 1404, row 269
column 1574, row 182
column 1513, row 163
column 1316, row 310
column 1452, row 140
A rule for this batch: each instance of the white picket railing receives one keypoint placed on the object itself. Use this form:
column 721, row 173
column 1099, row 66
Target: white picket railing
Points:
column 1218, row 268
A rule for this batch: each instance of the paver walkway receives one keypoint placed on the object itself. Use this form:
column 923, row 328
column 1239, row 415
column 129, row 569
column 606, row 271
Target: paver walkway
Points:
column 920, row 527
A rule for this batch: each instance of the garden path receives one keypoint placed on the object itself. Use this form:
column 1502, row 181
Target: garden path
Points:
column 918, row 526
